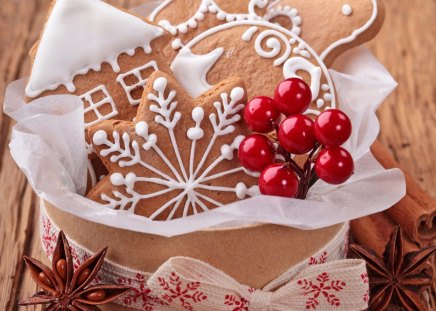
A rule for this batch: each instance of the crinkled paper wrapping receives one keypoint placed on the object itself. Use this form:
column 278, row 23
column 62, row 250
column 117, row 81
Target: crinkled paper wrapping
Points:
column 48, row 145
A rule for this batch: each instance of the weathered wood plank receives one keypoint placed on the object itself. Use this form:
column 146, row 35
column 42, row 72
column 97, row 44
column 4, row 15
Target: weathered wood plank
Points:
column 406, row 47
column 17, row 209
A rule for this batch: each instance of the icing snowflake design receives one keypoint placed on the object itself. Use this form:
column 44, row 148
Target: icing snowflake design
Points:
column 194, row 177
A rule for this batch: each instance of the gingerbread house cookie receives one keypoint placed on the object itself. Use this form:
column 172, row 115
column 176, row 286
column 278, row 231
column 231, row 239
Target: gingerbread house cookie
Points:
column 179, row 155
column 100, row 53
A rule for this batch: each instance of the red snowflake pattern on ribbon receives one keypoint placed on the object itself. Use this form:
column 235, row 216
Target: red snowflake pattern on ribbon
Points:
column 49, row 236
column 316, row 261
column 186, row 295
column 140, row 292
column 323, row 287
column 365, row 280
column 237, row 303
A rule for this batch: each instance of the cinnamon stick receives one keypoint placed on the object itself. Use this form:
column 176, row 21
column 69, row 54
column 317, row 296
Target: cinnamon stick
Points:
column 416, row 212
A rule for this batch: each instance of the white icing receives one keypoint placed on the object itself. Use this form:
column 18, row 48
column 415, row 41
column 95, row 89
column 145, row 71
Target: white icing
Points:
column 355, row 33
column 347, row 10
column 206, row 6
column 328, row 97
column 69, row 46
column 196, row 133
column 166, row 114
column 287, row 11
column 128, row 154
column 320, row 103
column 177, row 44
column 261, row 4
column 325, row 87
column 93, row 107
column 249, row 33
column 295, row 64
column 191, row 70
column 141, row 81
column 274, row 43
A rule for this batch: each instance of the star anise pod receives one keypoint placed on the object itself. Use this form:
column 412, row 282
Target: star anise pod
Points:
column 397, row 278
column 66, row 289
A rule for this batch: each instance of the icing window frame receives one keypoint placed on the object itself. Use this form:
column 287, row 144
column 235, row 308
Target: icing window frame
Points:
column 93, row 106
column 136, row 72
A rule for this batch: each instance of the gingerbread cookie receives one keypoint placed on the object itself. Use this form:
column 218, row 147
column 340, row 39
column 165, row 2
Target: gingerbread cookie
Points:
column 330, row 27
column 100, row 53
column 179, row 155
column 262, row 53
column 184, row 19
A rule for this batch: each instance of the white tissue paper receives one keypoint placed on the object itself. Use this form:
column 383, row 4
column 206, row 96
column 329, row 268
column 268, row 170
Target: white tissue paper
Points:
column 48, row 145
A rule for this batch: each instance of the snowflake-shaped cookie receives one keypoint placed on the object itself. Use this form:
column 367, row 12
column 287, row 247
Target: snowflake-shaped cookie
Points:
column 179, row 156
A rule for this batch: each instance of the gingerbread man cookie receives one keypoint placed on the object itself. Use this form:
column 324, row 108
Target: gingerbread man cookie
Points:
column 100, row 53
column 179, row 156
column 330, row 27
column 184, row 19
column 262, row 53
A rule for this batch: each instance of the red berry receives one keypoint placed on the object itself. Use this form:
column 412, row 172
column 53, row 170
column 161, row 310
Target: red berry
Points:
column 293, row 96
column 261, row 114
column 279, row 180
column 256, row 152
column 334, row 165
column 332, row 128
column 296, row 134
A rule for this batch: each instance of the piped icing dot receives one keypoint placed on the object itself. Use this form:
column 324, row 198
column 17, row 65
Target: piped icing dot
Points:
column 347, row 10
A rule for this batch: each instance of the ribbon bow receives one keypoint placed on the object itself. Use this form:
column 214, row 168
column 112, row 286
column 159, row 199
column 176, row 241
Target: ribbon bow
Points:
column 189, row 284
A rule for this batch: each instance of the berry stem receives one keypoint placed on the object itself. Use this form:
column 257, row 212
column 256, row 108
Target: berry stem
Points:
column 288, row 157
column 306, row 174
column 308, row 177
column 290, row 162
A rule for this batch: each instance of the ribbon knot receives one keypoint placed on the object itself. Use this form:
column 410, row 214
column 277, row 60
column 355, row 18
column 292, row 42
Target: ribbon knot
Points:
column 260, row 300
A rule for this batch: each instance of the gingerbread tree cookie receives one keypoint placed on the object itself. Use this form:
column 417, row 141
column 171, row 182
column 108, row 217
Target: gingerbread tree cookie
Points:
column 262, row 53
column 100, row 53
column 185, row 19
column 330, row 27
column 179, row 156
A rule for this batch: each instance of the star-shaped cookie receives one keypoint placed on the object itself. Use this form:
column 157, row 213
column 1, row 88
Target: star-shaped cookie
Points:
column 179, row 156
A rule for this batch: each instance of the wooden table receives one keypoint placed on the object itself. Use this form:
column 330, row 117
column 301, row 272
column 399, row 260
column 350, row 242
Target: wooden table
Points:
column 407, row 47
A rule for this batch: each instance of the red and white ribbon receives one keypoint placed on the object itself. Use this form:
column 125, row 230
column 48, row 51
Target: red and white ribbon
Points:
column 325, row 281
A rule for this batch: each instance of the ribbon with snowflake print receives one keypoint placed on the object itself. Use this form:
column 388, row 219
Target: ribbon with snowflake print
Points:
column 186, row 283
column 322, row 282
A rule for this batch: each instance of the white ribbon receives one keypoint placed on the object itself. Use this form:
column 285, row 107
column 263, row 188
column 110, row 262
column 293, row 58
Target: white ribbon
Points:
column 186, row 283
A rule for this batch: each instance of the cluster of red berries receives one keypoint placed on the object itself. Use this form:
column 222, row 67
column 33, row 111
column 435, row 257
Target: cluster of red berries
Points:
column 297, row 134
